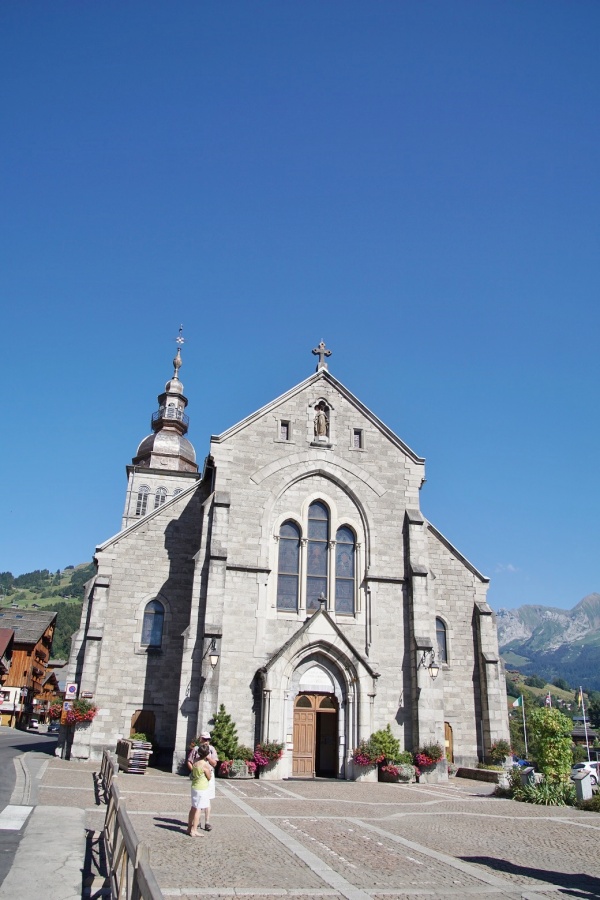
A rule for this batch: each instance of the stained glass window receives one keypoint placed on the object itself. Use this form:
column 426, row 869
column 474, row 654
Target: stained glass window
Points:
column 440, row 633
column 142, row 500
column 318, row 538
column 289, row 566
column 152, row 628
column 344, row 570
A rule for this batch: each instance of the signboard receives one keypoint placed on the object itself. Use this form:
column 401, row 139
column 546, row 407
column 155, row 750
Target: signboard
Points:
column 87, row 695
column 71, row 690
column 65, row 708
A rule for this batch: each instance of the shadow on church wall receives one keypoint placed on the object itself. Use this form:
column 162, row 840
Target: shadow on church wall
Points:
column 182, row 539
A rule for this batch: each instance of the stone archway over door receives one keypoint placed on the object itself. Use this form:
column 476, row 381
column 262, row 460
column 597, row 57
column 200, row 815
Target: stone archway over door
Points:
column 315, row 735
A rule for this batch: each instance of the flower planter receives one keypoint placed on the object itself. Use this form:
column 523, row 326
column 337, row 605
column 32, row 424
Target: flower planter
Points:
column 239, row 771
column 434, row 774
column 406, row 774
column 365, row 773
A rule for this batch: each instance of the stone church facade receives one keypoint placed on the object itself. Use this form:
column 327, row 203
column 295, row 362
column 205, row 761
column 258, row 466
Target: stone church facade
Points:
column 295, row 580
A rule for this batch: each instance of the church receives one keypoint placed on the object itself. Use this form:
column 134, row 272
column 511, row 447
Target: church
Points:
column 293, row 578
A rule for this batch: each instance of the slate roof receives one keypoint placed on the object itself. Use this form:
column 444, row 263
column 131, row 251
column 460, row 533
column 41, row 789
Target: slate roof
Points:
column 5, row 636
column 27, row 624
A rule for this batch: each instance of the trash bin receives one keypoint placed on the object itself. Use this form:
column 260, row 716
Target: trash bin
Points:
column 583, row 785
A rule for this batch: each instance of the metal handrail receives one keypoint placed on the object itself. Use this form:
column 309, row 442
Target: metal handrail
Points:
column 170, row 412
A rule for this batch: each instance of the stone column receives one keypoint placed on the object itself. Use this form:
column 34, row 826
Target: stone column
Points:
column 427, row 692
column 494, row 716
column 215, row 598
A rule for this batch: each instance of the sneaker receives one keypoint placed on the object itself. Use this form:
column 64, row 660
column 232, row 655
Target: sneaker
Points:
column 208, row 827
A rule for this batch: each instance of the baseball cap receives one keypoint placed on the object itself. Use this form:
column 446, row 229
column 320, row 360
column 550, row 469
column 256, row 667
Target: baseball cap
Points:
column 205, row 734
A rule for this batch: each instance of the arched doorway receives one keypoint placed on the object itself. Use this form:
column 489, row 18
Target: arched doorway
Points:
column 449, row 741
column 315, row 735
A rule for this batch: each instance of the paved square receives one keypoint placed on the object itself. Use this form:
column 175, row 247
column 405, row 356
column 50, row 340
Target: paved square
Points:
column 309, row 839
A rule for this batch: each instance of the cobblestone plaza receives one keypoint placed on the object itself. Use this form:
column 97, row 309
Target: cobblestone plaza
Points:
column 322, row 838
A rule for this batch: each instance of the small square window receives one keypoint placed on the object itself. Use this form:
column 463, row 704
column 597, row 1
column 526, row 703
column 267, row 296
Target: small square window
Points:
column 284, row 431
column 357, row 438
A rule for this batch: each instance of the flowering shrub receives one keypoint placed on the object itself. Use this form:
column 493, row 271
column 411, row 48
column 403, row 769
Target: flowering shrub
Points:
column 267, row 752
column 81, row 711
column 260, row 759
column 55, row 711
column 366, row 754
column 423, row 761
column 499, row 751
column 229, row 768
column 428, row 756
column 397, row 772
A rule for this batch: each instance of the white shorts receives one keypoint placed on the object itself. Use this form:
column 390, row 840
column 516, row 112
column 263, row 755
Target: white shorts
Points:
column 201, row 799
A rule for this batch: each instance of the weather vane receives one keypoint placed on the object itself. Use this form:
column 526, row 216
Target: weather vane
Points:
column 179, row 340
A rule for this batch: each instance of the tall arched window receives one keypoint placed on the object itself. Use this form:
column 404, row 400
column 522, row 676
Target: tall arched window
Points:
column 152, row 628
column 160, row 497
column 345, row 546
column 442, row 646
column 318, row 539
column 289, row 566
column 142, row 500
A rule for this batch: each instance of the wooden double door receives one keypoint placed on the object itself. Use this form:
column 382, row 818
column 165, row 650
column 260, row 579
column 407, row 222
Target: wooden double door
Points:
column 315, row 735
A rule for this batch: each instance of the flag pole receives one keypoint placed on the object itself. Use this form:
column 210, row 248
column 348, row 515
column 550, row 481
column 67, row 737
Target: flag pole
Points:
column 524, row 726
column 587, row 740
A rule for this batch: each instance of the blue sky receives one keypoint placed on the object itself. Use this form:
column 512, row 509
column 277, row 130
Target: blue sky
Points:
column 415, row 183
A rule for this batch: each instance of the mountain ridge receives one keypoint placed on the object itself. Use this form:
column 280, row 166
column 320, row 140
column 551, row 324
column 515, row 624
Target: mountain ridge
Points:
column 551, row 642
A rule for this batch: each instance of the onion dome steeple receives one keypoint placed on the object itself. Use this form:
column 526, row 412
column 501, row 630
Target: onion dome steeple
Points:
column 166, row 447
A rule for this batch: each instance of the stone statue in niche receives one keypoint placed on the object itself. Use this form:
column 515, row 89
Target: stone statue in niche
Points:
column 321, row 422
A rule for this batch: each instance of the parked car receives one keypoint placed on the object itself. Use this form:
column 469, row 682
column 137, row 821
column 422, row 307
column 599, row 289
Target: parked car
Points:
column 517, row 761
column 590, row 768
column 53, row 728
column 34, row 725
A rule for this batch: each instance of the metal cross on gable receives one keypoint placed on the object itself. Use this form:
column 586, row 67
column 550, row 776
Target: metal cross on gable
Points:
column 321, row 351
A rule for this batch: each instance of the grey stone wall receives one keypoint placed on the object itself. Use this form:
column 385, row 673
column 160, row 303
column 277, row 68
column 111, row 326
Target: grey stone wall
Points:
column 152, row 560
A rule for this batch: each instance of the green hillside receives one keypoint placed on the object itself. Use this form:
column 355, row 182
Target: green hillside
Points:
column 61, row 591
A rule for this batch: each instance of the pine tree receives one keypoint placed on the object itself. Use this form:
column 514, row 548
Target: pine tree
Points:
column 224, row 735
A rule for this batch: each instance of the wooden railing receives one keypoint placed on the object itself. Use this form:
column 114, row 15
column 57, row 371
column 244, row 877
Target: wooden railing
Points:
column 109, row 767
column 130, row 875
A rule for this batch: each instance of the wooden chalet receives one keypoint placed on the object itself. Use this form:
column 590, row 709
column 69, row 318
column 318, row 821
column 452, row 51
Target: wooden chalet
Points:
column 32, row 641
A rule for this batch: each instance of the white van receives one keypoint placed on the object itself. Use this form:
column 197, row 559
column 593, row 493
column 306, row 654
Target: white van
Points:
column 34, row 725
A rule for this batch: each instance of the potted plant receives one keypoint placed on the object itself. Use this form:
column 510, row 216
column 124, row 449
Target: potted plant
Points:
column 396, row 764
column 500, row 752
column 366, row 757
column 432, row 766
column 267, row 752
column 81, row 712
column 241, row 766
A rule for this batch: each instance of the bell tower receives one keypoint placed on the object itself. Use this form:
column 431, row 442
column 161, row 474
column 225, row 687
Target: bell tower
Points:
column 165, row 461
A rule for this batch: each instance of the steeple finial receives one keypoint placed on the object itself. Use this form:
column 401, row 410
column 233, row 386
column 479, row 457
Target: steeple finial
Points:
column 321, row 351
column 177, row 362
